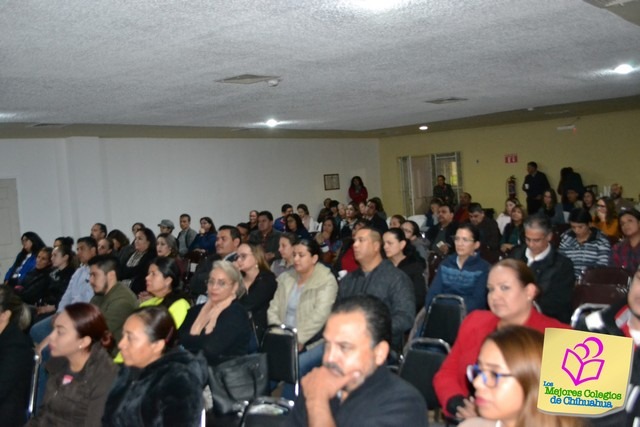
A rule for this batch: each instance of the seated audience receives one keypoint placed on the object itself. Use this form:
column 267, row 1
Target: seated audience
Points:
column 440, row 237
column 280, row 224
column 303, row 301
column 463, row 274
column 243, row 229
column 259, row 284
column 133, row 272
column 345, row 260
column 488, row 227
column 357, row 191
column 25, row 260
column 432, row 213
column 186, row 235
column 253, row 220
column 205, row 241
column 120, row 243
column 461, row 214
column 266, row 236
column 589, row 202
column 115, row 300
column 80, row 371
column 34, row 286
column 357, row 390
column 396, row 221
column 64, row 241
column 165, row 289
column 167, row 246
column 307, row 220
column 220, row 327
column 505, row 216
column 294, row 225
column 412, row 233
column 621, row 319
column 161, row 384
column 584, row 245
column 105, row 247
column 553, row 271
column 626, row 254
column 606, row 217
column 404, row 256
column 620, row 202
column 16, row 358
column 511, row 290
column 329, row 240
column 551, row 208
column 62, row 259
column 507, row 378
column 166, row 226
column 513, row 234
column 376, row 215
column 351, row 216
column 285, row 263
column 326, row 210
column 98, row 231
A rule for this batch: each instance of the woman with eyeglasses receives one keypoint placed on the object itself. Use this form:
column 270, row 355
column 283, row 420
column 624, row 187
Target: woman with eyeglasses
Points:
column 220, row 327
column 606, row 218
column 511, row 291
column 506, row 379
column 465, row 273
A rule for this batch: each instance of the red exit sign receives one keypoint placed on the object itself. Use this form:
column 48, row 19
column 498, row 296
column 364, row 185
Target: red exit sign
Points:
column 511, row 158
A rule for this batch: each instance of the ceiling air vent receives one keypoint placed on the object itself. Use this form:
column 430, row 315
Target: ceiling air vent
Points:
column 249, row 79
column 449, row 100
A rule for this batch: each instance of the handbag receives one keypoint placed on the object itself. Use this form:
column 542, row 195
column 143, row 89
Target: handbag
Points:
column 236, row 382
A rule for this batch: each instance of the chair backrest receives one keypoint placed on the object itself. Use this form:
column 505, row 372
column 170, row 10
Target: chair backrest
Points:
column 421, row 362
column 444, row 317
column 267, row 412
column 489, row 255
column 583, row 311
column 602, row 275
column 281, row 345
column 601, row 285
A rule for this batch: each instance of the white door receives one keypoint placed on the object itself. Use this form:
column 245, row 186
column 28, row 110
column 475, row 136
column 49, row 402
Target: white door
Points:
column 9, row 225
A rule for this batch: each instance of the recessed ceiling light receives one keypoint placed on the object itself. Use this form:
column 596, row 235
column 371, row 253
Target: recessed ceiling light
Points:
column 423, row 127
column 376, row 5
column 623, row 69
column 271, row 123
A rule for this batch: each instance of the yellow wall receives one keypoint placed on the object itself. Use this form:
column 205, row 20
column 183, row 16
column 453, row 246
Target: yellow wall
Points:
column 604, row 149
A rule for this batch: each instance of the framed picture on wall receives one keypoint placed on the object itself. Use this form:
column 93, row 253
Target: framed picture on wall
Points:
column 332, row 181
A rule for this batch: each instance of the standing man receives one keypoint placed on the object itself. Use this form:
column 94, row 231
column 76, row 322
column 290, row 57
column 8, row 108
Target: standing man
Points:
column 535, row 184
column 115, row 301
column 353, row 387
column 266, row 236
column 187, row 235
column 379, row 277
column 553, row 271
column 444, row 192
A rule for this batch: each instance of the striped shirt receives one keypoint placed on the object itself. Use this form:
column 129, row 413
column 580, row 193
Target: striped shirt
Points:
column 594, row 251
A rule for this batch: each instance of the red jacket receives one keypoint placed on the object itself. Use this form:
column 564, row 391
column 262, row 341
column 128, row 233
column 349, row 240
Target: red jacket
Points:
column 451, row 379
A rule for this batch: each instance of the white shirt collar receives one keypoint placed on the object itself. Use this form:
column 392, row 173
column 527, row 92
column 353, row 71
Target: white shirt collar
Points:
column 542, row 255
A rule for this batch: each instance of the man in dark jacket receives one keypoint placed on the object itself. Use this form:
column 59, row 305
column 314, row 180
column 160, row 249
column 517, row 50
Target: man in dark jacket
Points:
column 488, row 227
column 553, row 271
column 378, row 277
column 440, row 236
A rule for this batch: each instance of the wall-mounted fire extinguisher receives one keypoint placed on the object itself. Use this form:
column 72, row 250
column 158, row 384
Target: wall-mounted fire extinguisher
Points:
column 511, row 187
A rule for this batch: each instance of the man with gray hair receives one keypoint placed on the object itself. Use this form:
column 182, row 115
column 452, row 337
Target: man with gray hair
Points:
column 553, row 271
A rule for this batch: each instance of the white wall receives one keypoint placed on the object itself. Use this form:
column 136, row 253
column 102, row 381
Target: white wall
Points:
column 66, row 185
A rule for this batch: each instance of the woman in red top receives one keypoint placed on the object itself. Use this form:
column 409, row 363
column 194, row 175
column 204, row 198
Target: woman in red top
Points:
column 511, row 292
column 357, row 191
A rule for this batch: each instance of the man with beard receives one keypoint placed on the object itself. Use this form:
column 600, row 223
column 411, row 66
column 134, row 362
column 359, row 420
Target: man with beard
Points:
column 115, row 301
column 621, row 319
column 353, row 386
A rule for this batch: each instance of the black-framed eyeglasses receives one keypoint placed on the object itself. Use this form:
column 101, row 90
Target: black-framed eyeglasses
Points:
column 489, row 378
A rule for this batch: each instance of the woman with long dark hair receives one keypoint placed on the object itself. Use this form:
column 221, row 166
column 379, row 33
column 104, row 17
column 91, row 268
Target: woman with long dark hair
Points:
column 81, row 370
column 164, row 286
column 357, row 191
column 329, row 240
column 133, row 273
column 25, row 260
column 205, row 241
column 551, row 208
column 404, row 256
column 294, row 225
column 34, row 286
column 606, row 218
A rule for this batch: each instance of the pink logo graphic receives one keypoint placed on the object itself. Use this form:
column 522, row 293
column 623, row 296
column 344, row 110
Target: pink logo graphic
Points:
column 581, row 364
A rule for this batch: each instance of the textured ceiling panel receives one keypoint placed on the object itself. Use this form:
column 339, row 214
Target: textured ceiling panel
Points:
column 343, row 67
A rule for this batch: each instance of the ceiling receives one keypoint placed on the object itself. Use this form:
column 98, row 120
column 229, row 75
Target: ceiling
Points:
column 152, row 67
